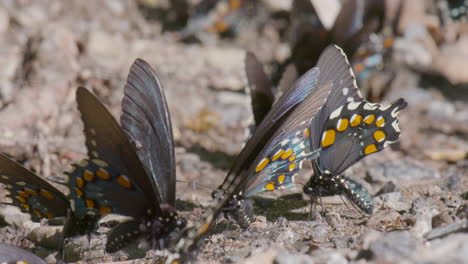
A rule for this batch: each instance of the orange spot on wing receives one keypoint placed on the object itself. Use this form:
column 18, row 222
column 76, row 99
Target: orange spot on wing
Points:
column 124, row 181
column 103, row 174
column 78, row 192
column 36, row 212
column 79, row 182
column 26, row 206
column 104, row 210
column 90, row 204
column 277, row 155
column 306, row 132
column 379, row 136
column 328, row 138
column 262, row 164
column 270, row 186
column 22, row 194
column 46, row 194
column 49, row 215
column 292, row 158
column 380, row 122
column 30, row 191
column 370, row 149
column 356, row 120
column 342, row 124
column 369, row 119
column 281, row 178
column 292, row 166
column 88, row 176
column 21, row 199
column 287, row 154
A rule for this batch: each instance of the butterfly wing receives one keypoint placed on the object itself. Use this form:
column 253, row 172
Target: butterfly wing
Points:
column 11, row 254
column 275, row 117
column 356, row 130
column 260, row 86
column 30, row 193
column 336, row 72
column 112, row 152
column 355, row 22
column 145, row 120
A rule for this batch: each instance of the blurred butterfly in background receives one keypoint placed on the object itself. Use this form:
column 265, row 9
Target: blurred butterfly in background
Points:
column 217, row 16
column 455, row 10
column 354, row 30
column 130, row 170
column 15, row 255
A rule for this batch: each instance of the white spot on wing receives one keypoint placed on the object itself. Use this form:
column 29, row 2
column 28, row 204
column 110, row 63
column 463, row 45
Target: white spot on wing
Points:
column 336, row 113
column 345, row 91
column 353, row 105
column 395, row 126
column 395, row 112
column 371, row 106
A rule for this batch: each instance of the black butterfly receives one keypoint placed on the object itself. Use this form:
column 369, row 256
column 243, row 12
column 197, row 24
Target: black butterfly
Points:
column 354, row 23
column 456, row 10
column 136, row 180
column 348, row 128
column 274, row 153
column 38, row 198
column 261, row 89
column 217, row 16
column 289, row 137
column 15, row 255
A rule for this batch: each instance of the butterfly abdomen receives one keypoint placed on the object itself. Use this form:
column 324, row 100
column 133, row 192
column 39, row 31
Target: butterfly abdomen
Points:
column 358, row 195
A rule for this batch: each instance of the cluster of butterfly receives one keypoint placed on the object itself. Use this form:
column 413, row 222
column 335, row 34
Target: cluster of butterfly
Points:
column 321, row 118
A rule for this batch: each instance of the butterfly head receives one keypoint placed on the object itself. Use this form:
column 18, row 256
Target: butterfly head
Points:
column 166, row 224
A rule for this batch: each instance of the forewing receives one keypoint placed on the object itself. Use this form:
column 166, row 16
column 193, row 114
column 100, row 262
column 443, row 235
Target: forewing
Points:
column 281, row 158
column 335, row 71
column 30, row 193
column 108, row 145
column 264, row 132
column 260, row 87
column 146, row 121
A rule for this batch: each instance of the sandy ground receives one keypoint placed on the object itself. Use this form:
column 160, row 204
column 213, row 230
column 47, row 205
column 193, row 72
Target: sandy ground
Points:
column 49, row 47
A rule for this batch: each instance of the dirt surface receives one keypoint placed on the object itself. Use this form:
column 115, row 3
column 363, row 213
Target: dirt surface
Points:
column 49, row 47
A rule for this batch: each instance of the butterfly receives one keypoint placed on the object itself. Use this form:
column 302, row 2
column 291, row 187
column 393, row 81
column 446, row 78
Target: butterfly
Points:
column 15, row 255
column 217, row 16
column 347, row 129
column 288, row 134
column 131, row 168
column 38, row 198
column 275, row 152
column 455, row 10
column 355, row 22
